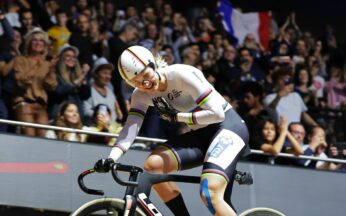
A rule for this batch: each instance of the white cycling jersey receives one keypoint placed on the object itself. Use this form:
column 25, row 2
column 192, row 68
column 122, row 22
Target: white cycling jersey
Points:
column 188, row 91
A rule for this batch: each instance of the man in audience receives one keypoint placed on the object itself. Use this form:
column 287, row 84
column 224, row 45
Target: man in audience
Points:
column 117, row 45
column 81, row 39
column 254, row 108
column 316, row 146
column 286, row 102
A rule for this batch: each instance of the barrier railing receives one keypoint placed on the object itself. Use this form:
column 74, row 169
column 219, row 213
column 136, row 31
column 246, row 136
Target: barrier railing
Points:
column 156, row 140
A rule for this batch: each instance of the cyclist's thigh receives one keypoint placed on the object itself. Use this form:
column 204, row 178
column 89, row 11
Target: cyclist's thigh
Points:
column 160, row 159
column 223, row 154
column 187, row 150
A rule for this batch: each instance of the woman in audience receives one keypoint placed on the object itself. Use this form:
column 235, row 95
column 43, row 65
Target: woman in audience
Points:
column 102, row 123
column 68, row 117
column 34, row 77
column 271, row 139
column 302, row 85
column 72, row 82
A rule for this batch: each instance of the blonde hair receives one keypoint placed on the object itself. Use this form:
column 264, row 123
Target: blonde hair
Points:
column 68, row 75
column 28, row 41
column 160, row 62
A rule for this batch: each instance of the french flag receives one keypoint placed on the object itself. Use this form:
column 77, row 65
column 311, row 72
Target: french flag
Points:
column 238, row 24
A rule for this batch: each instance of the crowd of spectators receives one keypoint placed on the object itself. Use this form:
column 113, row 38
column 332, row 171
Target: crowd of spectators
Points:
column 58, row 66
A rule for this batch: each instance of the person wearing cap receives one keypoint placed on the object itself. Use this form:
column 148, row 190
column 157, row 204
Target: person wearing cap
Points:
column 72, row 83
column 181, row 93
column 34, row 78
column 101, row 91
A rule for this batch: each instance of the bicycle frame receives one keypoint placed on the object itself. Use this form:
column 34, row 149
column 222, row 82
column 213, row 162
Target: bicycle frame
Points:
column 138, row 187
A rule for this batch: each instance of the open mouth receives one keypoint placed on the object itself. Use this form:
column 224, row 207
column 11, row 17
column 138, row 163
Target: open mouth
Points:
column 147, row 84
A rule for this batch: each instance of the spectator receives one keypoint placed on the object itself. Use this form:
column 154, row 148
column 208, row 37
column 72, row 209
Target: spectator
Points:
column 117, row 45
column 101, row 92
column 318, row 81
column 34, row 77
column 81, row 39
column 298, row 132
column 68, row 117
column 182, row 34
column 294, row 142
column 5, row 55
column 302, row 85
column 256, row 49
column 27, row 21
column 167, row 53
column 270, row 139
column 286, row 102
column 59, row 33
column 316, row 147
column 335, row 152
column 72, row 83
column 254, row 111
column 217, row 40
column 226, row 71
column 248, row 70
column 203, row 30
column 301, row 52
column 336, row 99
column 102, row 123
column 268, row 83
column 336, row 89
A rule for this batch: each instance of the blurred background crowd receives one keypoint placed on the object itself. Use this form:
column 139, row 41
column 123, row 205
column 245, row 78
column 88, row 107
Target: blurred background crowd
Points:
column 58, row 66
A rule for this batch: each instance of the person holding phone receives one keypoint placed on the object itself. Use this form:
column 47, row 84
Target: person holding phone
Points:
column 102, row 122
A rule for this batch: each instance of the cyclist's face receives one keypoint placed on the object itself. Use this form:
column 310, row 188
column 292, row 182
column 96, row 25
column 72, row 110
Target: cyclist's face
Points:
column 269, row 132
column 146, row 81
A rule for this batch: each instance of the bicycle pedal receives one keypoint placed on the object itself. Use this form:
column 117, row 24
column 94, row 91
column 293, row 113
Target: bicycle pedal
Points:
column 243, row 178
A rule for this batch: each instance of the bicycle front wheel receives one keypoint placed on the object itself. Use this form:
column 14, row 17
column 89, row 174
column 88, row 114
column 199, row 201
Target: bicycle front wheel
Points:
column 104, row 207
column 261, row 211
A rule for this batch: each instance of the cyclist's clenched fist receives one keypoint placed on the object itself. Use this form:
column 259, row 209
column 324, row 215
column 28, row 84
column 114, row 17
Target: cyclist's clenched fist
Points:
column 103, row 165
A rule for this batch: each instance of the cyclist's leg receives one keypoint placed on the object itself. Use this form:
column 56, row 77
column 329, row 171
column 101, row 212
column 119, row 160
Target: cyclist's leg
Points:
column 222, row 156
column 161, row 160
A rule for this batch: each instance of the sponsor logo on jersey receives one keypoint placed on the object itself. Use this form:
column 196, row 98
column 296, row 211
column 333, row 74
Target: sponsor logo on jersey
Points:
column 222, row 144
column 174, row 94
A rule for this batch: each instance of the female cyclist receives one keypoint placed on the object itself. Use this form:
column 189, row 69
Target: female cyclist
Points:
column 218, row 136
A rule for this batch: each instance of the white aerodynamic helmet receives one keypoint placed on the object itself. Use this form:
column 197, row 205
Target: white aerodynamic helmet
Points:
column 133, row 60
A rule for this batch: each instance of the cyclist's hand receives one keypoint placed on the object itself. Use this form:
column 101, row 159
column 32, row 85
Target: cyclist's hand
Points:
column 166, row 111
column 103, row 165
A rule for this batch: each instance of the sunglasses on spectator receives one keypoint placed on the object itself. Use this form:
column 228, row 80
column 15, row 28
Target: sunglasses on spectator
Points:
column 288, row 81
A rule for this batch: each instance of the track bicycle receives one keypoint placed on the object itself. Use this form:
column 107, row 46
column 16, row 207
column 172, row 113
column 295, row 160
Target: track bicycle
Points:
column 136, row 201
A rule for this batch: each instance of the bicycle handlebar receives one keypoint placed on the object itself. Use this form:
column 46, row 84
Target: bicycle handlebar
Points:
column 125, row 168
column 82, row 185
column 115, row 167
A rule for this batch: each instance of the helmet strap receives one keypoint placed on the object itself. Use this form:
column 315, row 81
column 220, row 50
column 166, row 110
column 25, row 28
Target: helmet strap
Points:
column 158, row 75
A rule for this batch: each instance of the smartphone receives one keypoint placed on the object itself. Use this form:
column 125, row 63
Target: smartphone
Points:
column 102, row 110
